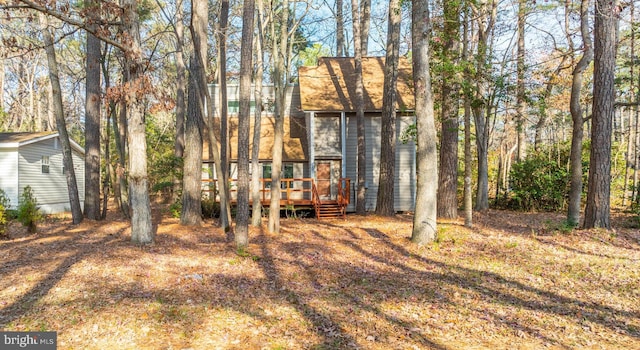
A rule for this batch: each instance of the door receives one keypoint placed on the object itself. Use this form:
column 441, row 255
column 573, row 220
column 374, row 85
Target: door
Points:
column 323, row 175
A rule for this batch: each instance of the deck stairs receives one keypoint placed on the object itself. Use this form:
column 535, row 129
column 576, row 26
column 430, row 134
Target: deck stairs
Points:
column 330, row 209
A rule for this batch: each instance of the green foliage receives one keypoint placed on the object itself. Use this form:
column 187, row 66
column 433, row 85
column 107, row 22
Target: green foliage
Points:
column 3, row 220
column 28, row 212
column 409, row 134
column 309, row 56
column 164, row 166
column 4, row 204
column 176, row 208
column 538, row 183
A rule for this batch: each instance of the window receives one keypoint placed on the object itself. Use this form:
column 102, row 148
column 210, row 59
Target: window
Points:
column 266, row 174
column 287, row 173
column 233, row 106
column 45, row 164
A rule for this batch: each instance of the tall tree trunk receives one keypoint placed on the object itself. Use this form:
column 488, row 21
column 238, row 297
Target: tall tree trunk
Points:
column 256, row 188
column 424, row 219
column 222, row 172
column 181, row 88
column 365, row 13
column 361, row 204
column 485, row 17
column 244, row 125
column 468, row 189
column 575, row 189
column 599, row 185
column 141, row 227
column 194, row 123
column 280, row 58
column 450, row 94
column 340, row 45
column 386, row 179
column 520, row 89
column 67, row 156
column 92, row 119
column 192, row 159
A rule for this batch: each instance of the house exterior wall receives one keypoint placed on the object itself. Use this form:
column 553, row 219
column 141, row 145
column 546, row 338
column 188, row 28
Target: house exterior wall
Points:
column 327, row 141
column 9, row 174
column 50, row 189
column 405, row 162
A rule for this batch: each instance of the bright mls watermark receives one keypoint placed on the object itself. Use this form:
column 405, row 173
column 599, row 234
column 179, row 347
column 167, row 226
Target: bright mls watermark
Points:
column 28, row 340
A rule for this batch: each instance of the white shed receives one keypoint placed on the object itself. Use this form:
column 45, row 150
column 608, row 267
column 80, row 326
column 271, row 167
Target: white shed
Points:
column 35, row 159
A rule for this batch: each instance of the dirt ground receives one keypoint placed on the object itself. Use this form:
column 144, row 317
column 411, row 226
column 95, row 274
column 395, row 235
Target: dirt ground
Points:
column 513, row 281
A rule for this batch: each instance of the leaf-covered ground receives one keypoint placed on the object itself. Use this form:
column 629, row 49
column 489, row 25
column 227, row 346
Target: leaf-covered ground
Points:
column 513, row 281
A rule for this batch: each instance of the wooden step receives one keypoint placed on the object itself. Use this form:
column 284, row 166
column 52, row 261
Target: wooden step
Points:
column 329, row 209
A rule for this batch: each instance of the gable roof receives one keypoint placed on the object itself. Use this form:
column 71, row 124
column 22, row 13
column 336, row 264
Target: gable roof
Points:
column 330, row 86
column 295, row 143
column 17, row 139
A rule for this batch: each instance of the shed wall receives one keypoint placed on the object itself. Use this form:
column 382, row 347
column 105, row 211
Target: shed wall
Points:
column 9, row 174
column 50, row 188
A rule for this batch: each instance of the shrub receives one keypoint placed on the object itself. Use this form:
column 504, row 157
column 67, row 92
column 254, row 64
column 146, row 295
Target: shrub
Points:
column 4, row 200
column 538, row 183
column 28, row 212
column 210, row 208
column 3, row 220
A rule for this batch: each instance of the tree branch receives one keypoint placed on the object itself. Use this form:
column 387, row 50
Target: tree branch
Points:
column 63, row 17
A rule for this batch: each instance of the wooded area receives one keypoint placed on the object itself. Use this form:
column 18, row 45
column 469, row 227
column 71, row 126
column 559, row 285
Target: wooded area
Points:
column 134, row 87
column 523, row 152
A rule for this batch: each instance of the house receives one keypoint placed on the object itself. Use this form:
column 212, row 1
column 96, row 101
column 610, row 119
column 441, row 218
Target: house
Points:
column 320, row 137
column 35, row 159
column 327, row 96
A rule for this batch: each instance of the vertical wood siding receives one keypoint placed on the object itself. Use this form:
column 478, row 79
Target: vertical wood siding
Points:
column 405, row 174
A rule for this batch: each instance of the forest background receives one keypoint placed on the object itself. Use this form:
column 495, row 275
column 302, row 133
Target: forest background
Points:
column 516, row 74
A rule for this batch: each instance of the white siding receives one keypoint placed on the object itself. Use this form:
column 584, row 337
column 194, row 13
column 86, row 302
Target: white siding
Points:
column 405, row 163
column 9, row 174
column 50, row 189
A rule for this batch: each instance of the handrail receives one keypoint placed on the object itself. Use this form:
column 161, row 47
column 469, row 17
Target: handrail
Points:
column 287, row 187
column 315, row 199
column 344, row 197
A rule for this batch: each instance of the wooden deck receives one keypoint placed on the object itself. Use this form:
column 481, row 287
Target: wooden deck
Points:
column 299, row 193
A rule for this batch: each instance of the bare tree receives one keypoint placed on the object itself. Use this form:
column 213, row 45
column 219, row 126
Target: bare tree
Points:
column 246, row 68
column 256, row 188
column 485, row 16
column 192, row 175
column 138, row 88
column 521, row 102
column 575, row 190
column 468, row 190
column 92, row 118
column 450, row 97
column 424, row 219
column 386, row 179
column 340, row 44
column 361, row 204
column 67, row 157
column 181, row 88
column 599, row 185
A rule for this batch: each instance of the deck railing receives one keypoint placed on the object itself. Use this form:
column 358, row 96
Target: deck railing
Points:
column 296, row 190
